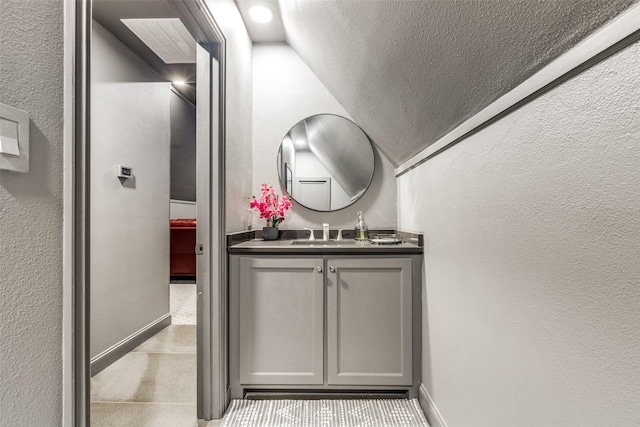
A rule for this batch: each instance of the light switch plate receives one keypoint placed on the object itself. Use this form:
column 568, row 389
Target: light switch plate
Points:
column 14, row 139
column 9, row 138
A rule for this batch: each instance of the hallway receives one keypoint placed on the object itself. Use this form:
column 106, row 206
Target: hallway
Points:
column 155, row 384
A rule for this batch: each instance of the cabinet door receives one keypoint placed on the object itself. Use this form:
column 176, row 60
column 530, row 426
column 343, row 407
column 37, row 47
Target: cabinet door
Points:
column 281, row 321
column 369, row 336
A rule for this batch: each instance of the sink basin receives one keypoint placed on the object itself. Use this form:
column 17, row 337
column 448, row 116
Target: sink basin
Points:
column 323, row 243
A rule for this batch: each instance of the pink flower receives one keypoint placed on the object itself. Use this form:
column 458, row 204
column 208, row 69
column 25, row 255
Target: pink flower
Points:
column 270, row 206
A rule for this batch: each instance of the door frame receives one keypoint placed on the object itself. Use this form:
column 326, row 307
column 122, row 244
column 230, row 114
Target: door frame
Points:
column 76, row 297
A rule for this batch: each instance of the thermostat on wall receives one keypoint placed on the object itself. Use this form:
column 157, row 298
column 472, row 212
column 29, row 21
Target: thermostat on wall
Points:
column 124, row 172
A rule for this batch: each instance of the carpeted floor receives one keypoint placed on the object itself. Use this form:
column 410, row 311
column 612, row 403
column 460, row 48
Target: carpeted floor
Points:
column 152, row 386
column 325, row 413
column 182, row 301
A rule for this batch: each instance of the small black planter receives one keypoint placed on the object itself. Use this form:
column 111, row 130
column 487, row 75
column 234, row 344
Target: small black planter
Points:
column 270, row 233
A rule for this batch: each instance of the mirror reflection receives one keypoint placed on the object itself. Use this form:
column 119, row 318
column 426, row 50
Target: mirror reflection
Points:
column 325, row 162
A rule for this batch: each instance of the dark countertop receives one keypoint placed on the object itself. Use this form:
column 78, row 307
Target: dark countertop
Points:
column 249, row 244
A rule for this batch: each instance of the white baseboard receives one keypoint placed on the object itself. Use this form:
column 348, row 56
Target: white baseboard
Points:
column 115, row 352
column 429, row 407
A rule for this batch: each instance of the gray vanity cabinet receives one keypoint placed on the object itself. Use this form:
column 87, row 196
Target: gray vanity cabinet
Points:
column 325, row 322
column 281, row 320
column 369, row 321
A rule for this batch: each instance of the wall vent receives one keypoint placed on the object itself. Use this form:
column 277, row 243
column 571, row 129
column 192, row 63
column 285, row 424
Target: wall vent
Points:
column 166, row 37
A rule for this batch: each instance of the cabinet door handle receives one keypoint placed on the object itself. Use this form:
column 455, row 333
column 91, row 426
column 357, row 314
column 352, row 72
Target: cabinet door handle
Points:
column 333, row 269
column 319, row 269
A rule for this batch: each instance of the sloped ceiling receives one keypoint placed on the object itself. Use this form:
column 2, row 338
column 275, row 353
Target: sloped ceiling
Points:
column 411, row 71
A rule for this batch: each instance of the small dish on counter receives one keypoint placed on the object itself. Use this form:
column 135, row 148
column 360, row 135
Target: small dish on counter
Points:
column 386, row 239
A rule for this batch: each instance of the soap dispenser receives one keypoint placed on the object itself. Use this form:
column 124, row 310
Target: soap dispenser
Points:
column 362, row 230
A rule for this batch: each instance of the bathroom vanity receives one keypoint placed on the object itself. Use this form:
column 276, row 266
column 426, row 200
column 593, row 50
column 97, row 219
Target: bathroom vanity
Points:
column 324, row 317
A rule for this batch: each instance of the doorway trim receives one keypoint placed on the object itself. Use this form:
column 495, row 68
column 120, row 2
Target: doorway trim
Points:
column 76, row 226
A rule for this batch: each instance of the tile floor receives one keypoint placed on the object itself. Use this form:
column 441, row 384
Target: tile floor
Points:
column 325, row 413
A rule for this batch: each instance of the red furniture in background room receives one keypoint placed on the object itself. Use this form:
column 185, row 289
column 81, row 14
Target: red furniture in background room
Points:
column 183, row 243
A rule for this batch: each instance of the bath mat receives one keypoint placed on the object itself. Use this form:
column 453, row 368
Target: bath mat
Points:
column 325, row 413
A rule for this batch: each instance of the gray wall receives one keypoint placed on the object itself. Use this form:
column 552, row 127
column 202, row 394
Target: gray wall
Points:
column 183, row 149
column 31, row 79
column 130, row 219
column 179, row 209
column 238, row 111
column 286, row 91
column 532, row 237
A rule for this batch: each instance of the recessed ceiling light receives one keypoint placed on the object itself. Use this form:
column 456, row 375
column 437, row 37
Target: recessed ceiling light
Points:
column 261, row 14
column 179, row 82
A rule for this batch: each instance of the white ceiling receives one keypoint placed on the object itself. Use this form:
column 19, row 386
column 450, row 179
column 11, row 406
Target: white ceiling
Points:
column 408, row 72
column 268, row 32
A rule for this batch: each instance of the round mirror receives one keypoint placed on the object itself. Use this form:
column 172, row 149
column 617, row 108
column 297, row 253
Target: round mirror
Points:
column 325, row 162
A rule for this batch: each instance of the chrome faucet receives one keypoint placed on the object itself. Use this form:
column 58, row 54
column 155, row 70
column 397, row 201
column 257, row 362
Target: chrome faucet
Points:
column 325, row 231
column 311, row 236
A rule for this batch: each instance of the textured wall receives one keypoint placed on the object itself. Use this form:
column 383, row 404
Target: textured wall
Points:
column 411, row 71
column 129, row 243
column 238, row 110
column 31, row 79
column 286, row 91
column 532, row 231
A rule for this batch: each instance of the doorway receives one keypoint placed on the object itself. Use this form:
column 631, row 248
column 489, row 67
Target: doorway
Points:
column 94, row 258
